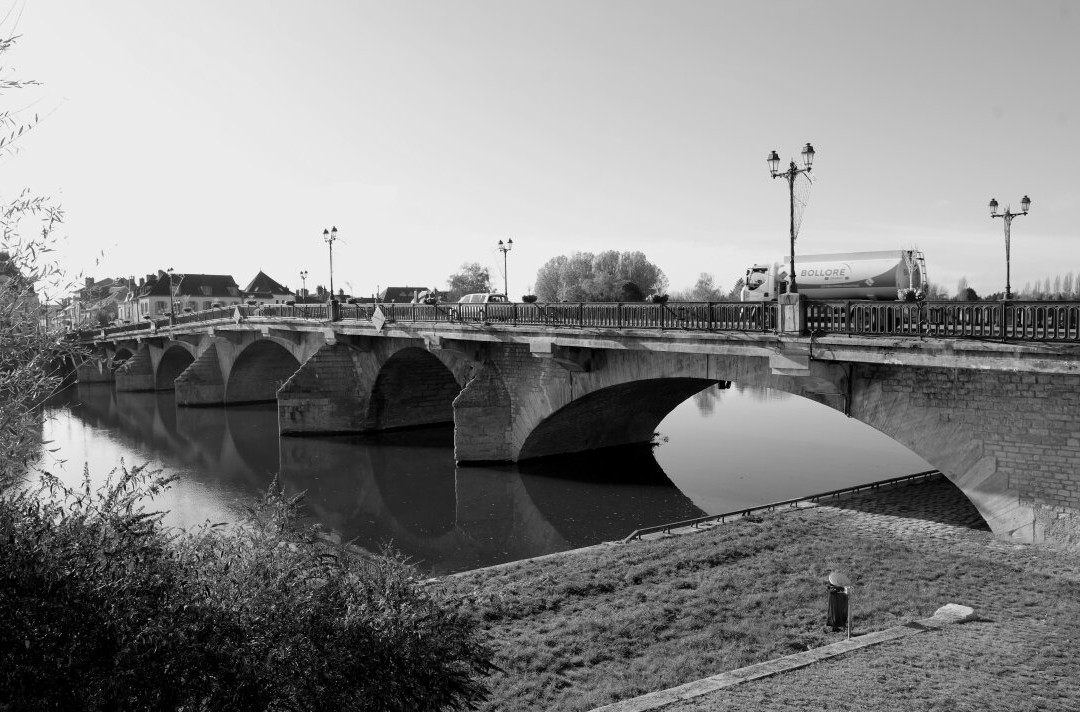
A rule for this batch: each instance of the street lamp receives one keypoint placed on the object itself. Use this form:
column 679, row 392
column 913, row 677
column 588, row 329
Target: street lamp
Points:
column 504, row 249
column 331, row 235
column 1008, row 216
column 303, row 283
column 173, row 291
column 790, row 174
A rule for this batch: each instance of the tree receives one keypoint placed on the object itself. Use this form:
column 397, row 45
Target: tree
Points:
column 736, row 290
column 705, row 289
column 549, row 279
column 607, row 277
column 469, row 279
column 935, row 292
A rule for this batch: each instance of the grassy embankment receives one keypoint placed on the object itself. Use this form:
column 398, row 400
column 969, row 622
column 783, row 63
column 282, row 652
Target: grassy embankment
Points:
column 580, row 631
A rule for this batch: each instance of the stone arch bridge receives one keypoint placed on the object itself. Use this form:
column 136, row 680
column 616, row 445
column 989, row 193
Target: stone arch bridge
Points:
column 999, row 419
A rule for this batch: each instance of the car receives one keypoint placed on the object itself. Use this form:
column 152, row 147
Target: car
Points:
column 473, row 307
column 483, row 298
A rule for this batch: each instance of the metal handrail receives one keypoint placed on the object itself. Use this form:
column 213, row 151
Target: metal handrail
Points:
column 638, row 533
column 1003, row 321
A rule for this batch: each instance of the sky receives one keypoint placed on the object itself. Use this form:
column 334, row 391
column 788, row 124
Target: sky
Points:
column 224, row 137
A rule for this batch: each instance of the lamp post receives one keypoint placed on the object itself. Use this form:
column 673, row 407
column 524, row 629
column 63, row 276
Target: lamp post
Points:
column 790, row 174
column 303, row 283
column 1007, row 217
column 331, row 235
column 504, row 249
column 173, row 290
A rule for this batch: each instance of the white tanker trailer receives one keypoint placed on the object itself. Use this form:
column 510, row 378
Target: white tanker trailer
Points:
column 888, row 274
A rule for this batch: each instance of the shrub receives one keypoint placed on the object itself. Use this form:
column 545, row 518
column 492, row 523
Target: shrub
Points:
column 101, row 607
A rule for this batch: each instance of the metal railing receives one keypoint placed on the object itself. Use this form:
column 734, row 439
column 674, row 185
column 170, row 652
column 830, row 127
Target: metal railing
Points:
column 1019, row 321
column 831, row 494
column 1004, row 321
column 700, row 316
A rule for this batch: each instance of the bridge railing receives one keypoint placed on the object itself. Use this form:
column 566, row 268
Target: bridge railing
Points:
column 708, row 316
column 792, row 503
column 1021, row 321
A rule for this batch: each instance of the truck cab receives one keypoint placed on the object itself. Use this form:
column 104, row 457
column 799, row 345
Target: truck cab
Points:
column 760, row 284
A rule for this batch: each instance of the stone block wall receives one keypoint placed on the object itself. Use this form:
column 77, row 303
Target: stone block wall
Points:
column 326, row 394
column 137, row 373
column 1009, row 440
column 201, row 383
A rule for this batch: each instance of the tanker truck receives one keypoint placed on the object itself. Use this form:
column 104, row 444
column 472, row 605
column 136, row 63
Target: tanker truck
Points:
column 888, row 275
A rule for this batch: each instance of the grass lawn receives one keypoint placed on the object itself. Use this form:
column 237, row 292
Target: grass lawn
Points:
column 579, row 631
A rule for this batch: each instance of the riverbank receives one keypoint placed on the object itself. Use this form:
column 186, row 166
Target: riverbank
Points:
column 580, row 631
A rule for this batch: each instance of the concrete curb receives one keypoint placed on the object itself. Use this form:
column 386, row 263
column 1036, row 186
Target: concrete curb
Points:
column 947, row 614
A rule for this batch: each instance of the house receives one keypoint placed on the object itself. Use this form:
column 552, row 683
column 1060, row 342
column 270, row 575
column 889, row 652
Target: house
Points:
column 264, row 290
column 96, row 302
column 167, row 293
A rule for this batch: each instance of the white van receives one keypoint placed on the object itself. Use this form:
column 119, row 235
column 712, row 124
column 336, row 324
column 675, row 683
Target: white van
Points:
column 474, row 307
column 483, row 298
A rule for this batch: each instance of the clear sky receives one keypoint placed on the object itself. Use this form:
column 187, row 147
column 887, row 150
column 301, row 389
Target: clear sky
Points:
column 224, row 136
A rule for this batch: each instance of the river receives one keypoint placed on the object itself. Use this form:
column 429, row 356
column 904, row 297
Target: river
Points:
column 719, row 451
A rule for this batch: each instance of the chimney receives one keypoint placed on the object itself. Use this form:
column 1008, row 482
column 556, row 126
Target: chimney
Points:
column 89, row 281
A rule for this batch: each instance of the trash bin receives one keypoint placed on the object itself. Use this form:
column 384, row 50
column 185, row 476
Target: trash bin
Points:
column 837, row 586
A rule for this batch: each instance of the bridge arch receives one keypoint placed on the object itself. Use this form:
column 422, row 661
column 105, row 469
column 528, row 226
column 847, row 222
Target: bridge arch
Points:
column 176, row 357
column 258, row 372
column 413, row 388
column 622, row 414
column 119, row 357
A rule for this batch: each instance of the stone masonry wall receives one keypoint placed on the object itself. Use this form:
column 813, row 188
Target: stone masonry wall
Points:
column 326, row 394
column 1009, row 440
column 137, row 373
column 201, row 383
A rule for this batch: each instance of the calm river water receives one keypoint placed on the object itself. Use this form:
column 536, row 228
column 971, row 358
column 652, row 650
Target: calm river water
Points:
column 719, row 451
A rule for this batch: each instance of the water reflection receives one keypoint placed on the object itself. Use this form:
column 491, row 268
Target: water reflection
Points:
column 728, row 449
column 400, row 488
column 721, row 450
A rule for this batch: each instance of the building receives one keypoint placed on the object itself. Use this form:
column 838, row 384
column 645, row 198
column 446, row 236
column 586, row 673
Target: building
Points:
column 167, row 293
column 96, row 303
column 264, row 290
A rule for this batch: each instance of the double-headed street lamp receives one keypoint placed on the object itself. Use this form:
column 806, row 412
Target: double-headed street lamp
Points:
column 303, row 283
column 331, row 235
column 1008, row 216
column 504, row 249
column 791, row 173
column 173, row 291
